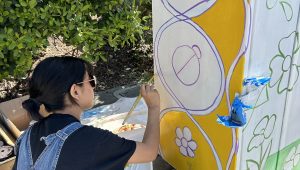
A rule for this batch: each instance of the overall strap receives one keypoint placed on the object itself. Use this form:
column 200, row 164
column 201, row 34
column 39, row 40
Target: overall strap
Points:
column 24, row 150
column 63, row 134
column 23, row 135
column 68, row 130
column 54, row 142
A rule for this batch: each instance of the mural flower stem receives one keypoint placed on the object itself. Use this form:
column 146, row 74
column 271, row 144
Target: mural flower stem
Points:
column 263, row 131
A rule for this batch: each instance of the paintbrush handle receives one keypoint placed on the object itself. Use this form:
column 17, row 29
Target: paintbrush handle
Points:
column 137, row 100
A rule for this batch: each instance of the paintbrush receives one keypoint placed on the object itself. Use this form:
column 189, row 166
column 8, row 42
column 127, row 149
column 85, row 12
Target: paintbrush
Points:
column 137, row 100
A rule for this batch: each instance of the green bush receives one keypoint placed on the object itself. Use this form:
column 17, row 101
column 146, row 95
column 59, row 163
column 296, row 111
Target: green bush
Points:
column 89, row 25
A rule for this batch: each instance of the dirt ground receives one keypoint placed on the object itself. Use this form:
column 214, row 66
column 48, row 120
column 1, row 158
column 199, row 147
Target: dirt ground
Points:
column 125, row 66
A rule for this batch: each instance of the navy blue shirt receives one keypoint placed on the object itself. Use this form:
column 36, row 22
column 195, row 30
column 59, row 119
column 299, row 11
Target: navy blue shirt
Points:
column 86, row 148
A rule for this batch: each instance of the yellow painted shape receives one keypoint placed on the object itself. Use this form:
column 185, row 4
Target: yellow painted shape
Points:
column 235, row 82
column 224, row 24
column 203, row 159
column 220, row 135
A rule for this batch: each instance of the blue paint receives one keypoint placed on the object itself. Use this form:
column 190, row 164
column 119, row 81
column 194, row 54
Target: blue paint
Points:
column 237, row 117
column 256, row 81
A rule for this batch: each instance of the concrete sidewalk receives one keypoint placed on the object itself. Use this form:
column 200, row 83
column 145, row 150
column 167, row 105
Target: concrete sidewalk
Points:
column 111, row 96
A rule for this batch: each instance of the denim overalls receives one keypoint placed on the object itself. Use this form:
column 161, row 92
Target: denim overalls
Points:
column 49, row 157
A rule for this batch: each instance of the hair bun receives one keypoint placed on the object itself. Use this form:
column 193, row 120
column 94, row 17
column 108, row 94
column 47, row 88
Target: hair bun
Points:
column 33, row 107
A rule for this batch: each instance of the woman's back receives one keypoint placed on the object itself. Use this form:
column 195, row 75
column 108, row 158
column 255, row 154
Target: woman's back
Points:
column 86, row 148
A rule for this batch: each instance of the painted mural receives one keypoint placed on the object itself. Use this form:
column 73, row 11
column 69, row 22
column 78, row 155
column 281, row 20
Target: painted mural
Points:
column 203, row 50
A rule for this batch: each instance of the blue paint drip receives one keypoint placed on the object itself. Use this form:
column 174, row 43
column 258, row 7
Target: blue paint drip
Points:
column 256, row 81
column 237, row 117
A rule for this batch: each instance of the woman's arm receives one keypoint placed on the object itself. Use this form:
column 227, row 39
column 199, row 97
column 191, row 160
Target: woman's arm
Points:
column 146, row 151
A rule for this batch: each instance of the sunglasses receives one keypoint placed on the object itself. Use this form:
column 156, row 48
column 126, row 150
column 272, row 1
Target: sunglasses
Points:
column 92, row 81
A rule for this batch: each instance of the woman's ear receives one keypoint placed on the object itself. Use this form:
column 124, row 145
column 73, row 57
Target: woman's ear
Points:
column 74, row 92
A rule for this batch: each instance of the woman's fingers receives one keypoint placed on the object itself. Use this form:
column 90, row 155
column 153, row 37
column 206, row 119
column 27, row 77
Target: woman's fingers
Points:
column 148, row 88
column 143, row 90
column 152, row 87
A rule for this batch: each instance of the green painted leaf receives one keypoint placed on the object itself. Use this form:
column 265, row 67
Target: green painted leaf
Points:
column 287, row 9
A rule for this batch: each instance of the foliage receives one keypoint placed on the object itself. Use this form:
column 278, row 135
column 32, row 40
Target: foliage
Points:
column 89, row 25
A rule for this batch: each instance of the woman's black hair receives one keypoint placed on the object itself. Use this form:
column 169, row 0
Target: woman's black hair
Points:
column 51, row 80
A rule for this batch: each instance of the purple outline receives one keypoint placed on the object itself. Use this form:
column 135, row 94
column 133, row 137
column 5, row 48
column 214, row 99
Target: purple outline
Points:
column 215, row 55
column 197, row 58
column 183, row 14
column 239, row 57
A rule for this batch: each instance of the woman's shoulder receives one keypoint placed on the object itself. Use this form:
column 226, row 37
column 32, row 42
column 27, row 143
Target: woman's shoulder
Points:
column 90, row 131
column 98, row 134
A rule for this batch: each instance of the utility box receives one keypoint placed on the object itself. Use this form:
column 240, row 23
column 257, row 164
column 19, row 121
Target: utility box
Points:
column 203, row 50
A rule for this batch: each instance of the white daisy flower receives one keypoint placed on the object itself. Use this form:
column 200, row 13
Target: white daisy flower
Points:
column 184, row 141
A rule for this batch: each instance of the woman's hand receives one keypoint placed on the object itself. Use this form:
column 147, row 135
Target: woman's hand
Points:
column 150, row 96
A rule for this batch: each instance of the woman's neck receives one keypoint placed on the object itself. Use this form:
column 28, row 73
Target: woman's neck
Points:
column 74, row 111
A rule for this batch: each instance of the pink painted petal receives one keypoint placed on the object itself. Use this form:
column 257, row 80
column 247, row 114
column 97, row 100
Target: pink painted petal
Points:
column 187, row 134
column 184, row 142
column 178, row 143
column 179, row 133
column 190, row 152
column 183, row 150
column 192, row 144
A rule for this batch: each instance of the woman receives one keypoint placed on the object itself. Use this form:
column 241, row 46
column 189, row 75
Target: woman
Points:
column 64, row 87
